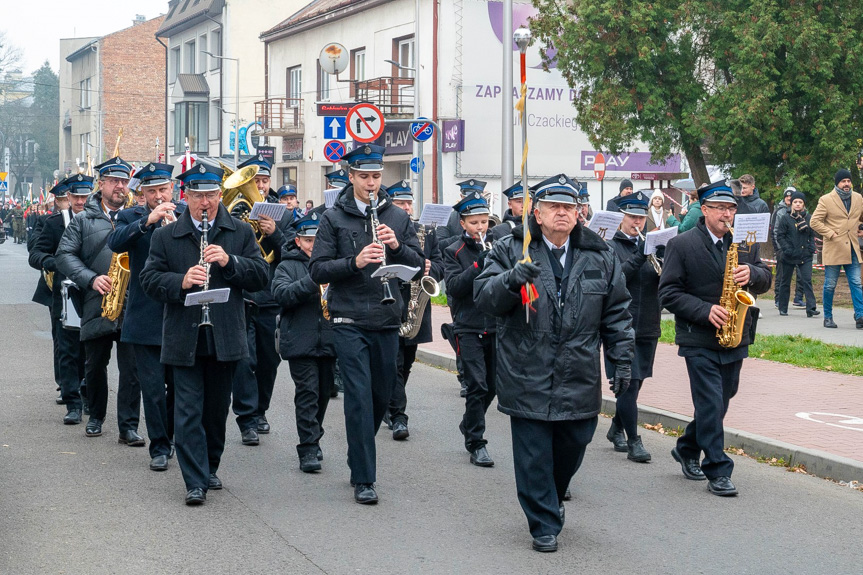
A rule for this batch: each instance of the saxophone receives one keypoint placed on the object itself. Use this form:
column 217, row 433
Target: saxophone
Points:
column 735, row 301
column 325, row 308
column 422, row 290
column 112, row 302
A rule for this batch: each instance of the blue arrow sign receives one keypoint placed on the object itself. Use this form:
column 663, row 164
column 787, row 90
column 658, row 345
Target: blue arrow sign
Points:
column 415, row 165
column 334, row 128
column 422, row 131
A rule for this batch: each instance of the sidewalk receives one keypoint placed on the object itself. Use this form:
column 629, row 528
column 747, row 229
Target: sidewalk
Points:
column 805, row 416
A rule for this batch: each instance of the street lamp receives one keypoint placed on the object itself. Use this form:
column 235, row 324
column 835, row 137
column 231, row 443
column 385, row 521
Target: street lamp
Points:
column 236, row 106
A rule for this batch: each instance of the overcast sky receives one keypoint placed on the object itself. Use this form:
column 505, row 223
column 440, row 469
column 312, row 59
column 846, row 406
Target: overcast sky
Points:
column 36, row 26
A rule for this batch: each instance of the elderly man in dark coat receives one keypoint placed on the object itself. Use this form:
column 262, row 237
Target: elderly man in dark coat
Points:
column 203, row 355
column 548, row 377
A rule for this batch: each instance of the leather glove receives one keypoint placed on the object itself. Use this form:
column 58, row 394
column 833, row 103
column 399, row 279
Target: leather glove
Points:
column 620, row 383
column 522, row 273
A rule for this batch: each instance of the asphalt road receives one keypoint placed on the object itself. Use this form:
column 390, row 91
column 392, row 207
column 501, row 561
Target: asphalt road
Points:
column 71, row 504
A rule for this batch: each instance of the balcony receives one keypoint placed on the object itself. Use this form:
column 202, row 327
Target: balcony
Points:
column 280, row 116
column 392, row 94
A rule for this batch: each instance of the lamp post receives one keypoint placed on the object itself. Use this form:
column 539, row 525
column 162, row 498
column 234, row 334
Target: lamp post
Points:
column 236, row 107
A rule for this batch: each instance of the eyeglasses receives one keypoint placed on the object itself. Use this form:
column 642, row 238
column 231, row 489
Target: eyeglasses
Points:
column 209, row 196
column 730, row 210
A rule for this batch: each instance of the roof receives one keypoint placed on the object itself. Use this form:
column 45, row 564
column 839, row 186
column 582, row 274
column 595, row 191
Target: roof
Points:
column 193, row 84
column 83, row 49
column 316, row 13
column 185, row 13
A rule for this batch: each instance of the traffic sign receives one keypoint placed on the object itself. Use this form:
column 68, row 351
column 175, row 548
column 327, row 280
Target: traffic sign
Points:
column 334, row 128
column 365, row 123
column 422, row 131
column 4, row 187
column 415, row 165
column 599, row 166
column 334, row 150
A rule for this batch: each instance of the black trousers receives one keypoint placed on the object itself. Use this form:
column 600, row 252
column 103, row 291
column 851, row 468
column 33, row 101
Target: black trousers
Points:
column 477, row 352
column 798, row 289
column 98, row 353
column 626, row 409
column 313, row 379
column 712, row 384
column 367, row 360
column 546, row 454
column 255, row 377
column 399, row 401
column 69, row 360
column 157, row 390
column 202, row 397
column 55, row 325
column 804, row 283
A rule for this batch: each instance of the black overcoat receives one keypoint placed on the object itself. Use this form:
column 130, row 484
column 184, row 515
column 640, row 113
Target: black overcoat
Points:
column 42, row 295
column 462, row 265
column 795, row 246
column 642, row 282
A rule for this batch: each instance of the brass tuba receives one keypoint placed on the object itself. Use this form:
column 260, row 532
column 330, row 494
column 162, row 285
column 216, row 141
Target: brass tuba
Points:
column 112, row 302
column 239, row 197
column 422, row 290
column 735, row 301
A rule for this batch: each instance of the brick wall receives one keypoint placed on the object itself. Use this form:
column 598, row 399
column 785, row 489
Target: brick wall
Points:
column 133, row 91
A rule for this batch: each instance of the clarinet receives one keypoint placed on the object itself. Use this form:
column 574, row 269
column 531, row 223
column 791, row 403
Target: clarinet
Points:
column 205, row 307
column 388, row 298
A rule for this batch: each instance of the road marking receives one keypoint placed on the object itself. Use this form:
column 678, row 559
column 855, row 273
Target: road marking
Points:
column 842, row 419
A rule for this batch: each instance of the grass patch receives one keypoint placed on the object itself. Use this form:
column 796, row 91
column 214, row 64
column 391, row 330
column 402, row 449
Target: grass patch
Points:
column 796, row 350
column 439, row 299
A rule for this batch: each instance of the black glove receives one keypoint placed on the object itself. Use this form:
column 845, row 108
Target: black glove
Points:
column 660, row 252
column 620, row 383
column 480, row 261
column 522, row 273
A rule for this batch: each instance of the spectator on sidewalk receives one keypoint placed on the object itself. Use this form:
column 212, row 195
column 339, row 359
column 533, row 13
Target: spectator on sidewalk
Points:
column 779, row 210
column 689, row 215
column 658, row 217
column 625, row 190
column 796, row 242
column 749, row 201
column 838, row 218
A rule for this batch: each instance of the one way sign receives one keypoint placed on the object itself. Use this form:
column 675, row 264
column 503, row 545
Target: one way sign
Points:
column 334, row 128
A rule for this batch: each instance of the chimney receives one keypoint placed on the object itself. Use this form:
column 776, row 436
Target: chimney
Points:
column 139, row 19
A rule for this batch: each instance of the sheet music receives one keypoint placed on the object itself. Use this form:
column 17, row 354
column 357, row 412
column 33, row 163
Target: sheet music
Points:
column 437, row 214
column 210, row 296
column 605, row 223
column 330, row 196
column 274, row 211
column 656, row 238
column 404, row 273
column 751, row 228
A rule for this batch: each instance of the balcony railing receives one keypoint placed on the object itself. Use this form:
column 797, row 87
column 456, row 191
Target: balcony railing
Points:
column 392, row 94
column 280, row 116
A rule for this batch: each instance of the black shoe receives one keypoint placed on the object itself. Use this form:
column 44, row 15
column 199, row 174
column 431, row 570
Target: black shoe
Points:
column 481, row 458
column 616, row 436
column 636, row 450
column 250, row 437
column 365, row 493
column 263, row 425
column 722, row 487
column 320, row 454
column 812, row 313
column 334, row 392
column 783, row 313
column 387, row 421
column 60, row 400
column 828, row 322
column 567, row 495
column 131, row 438
column 94, row 428
column 400, row 431
column 196, row 496
column 859, row 322
column 690, row 467
column 798, row 303
column 73, row 417
column 309, row 463
column 159, row 463
column 545, row 543
column 214, row 482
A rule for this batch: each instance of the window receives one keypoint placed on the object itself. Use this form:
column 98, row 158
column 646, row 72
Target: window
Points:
column 85, row 93
column 295, row 86
column 190, row 58
column 215, row 48
column 191, row 120
column 202, row 58
column 323, row 84
column 174, row 65
column 358, row 64
column 405, row 57
column 84, row 144
column 215, row 119
column 289, row 176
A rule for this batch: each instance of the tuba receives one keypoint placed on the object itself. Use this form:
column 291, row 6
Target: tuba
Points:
column 239, row 198
column 422, row 290
column 735, row 301
column 112, row 302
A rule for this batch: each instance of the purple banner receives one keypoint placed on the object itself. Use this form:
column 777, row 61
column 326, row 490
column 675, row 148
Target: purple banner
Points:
column 631, row 162
column 453, row 136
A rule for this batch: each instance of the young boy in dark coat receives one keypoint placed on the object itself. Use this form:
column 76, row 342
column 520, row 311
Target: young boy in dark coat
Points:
column 305, row 340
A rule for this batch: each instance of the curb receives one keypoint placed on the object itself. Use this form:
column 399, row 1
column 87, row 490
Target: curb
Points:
column 818, row 463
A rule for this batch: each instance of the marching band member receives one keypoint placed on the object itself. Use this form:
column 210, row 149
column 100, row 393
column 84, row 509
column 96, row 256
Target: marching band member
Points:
column 402, row 197
column 475, row 331
column 548, row 367
column 642, row 282
column 347, row 251
column 84, row 257
column 452, row 231
column 141, row 329
column 203, row 356
column 305, row 341
column 691, row 286
column 512, row 217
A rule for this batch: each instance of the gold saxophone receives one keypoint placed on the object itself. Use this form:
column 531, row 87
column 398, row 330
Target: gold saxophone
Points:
column 112, row 302
column 422, row 290
column 325, row 308
column 735, row 301
column 49, row 278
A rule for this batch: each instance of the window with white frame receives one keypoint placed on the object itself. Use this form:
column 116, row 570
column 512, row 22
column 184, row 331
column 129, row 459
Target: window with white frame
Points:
column 202, row 57
column 191, row 56
column 215, row 49
column 359, row 65
column 190, row 121
column 86, row 95
column 406, row 57
column 295, row 86
column 174, row 65
column 323, row 84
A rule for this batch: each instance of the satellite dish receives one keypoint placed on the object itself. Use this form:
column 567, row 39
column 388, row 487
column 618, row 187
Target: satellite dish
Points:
column 334, row 58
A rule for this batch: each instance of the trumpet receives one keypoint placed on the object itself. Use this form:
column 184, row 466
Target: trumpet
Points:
column 205, row 307
column 170, row 217
column 486, row 246
column 654, row 261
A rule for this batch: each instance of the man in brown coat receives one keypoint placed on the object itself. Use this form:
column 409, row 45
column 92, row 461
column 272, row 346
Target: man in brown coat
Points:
column 838, row 219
